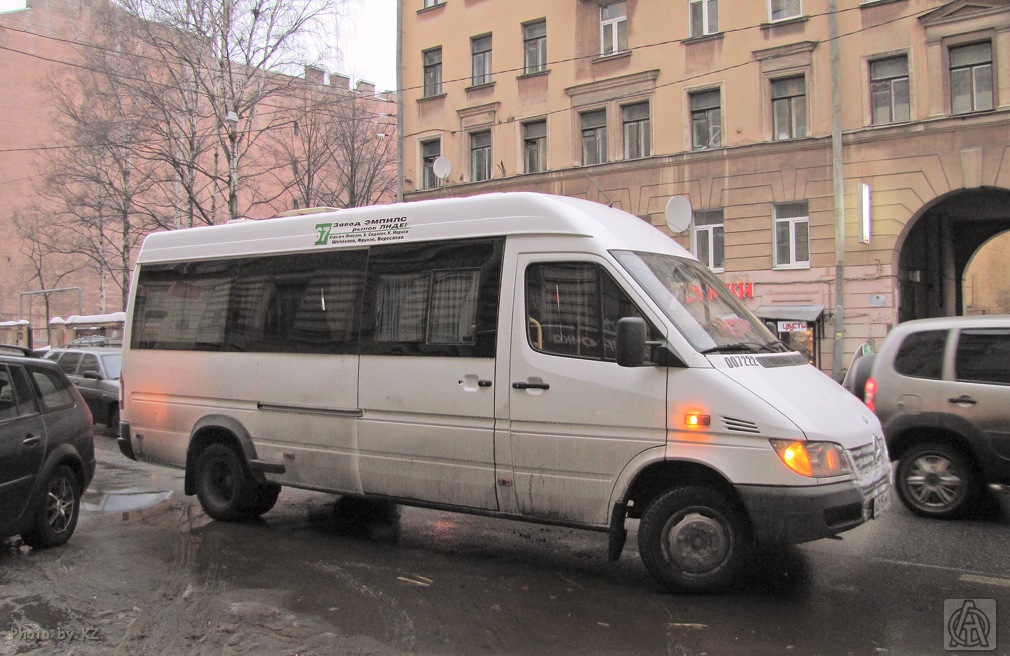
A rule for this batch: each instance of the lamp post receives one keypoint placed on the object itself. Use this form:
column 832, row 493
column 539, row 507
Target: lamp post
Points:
column 231, row 118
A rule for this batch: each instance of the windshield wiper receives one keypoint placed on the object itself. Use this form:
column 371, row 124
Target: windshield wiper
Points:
column 740, row 347
column 745, row 347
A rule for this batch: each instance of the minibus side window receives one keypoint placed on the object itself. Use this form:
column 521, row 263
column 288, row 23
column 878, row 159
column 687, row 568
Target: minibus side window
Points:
column 297, row 303
column 573, row 309
column 433, row 299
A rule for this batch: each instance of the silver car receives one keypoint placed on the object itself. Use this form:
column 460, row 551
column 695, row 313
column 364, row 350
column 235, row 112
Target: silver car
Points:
column 941, row 388
column 94, row 370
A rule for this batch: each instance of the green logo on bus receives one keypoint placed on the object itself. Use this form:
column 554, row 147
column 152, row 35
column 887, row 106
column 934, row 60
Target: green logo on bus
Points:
column 323, row 233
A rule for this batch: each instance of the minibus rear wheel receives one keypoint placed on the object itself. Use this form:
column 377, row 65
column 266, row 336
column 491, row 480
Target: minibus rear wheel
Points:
column 691, row 539
column 223, row 486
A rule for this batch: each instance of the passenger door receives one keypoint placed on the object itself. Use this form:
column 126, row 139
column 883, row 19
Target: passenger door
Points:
column 22, row 442
column 427, row 368
column 577, row 418
column 980, row 392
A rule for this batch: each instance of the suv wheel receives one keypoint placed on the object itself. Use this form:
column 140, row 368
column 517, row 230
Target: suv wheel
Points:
column 936, row 480
column 56, row 516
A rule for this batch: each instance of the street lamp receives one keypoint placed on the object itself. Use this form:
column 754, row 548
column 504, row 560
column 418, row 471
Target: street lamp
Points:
column 231, row 118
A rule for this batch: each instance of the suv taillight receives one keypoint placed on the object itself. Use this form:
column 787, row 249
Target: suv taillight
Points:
column 870, row 393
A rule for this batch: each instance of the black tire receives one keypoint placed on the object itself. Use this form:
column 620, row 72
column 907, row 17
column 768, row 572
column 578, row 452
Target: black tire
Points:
column 58, row 510
column 264, row 496
column 112, row 428
column 223, row 484
column 936, row 480
column 691, row 539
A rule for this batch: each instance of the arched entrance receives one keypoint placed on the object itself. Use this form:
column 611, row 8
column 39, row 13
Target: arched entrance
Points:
column 938, row 246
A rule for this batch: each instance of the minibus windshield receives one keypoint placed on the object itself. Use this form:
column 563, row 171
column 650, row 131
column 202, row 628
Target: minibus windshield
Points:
column 701, row 307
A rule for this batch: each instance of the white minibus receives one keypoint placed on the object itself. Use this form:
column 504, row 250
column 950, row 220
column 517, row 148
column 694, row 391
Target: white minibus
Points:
column 519, row 355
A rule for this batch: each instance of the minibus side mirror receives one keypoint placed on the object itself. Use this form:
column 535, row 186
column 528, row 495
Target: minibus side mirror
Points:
column 631, row 341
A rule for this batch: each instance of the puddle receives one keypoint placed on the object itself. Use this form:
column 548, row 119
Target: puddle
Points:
column 125, row 500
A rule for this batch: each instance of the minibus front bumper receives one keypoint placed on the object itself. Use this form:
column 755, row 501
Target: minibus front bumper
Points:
column 789, row 515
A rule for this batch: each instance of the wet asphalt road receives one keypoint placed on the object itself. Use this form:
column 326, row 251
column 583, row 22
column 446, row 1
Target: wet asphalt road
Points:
column 322, row 576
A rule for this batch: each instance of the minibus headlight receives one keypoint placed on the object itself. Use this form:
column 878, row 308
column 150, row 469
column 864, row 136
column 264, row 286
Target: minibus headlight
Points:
column 813, row 459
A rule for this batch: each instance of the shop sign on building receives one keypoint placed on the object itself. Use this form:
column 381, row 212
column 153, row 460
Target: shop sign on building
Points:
column 792, row 326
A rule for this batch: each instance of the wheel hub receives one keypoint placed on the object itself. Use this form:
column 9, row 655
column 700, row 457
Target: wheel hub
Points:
column 697, row 543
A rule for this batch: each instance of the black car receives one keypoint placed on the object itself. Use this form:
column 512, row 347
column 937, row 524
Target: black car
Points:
column 94, row 367
column 47, row 456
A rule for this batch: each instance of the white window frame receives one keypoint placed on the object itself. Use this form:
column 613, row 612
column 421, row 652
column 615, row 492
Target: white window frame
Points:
column 710, row 230
column 618, row 27
column 432, row 3
column 783, row 5
column 708, row 9
column 793, row 222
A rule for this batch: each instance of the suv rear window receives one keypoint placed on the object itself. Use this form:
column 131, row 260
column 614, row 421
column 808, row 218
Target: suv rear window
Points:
column 921, row 354
column 983, row 356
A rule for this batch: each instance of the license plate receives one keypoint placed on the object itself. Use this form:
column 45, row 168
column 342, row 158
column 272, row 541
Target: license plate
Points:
column 880, row 503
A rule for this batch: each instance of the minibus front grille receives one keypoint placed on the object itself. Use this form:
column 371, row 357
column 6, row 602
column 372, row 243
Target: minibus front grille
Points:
column 864, row 457
column 740, row 425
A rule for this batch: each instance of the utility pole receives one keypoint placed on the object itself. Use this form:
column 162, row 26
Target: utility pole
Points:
column 399, row 101
column 837, row 174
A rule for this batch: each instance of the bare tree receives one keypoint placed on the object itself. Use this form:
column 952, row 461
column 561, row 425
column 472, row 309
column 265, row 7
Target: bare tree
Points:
column 100, row 194
column 341, row 149
column 224, row 86
column 47, row 266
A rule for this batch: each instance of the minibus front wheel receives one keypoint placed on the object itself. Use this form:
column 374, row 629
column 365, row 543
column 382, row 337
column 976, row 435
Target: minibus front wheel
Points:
column 692, row 540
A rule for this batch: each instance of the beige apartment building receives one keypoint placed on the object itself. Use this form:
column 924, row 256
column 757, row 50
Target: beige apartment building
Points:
column 731, row 105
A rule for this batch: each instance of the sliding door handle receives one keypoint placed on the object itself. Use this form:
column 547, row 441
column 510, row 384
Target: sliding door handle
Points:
column 539, row 386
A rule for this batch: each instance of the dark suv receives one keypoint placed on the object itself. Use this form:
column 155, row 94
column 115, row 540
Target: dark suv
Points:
column 47, row 457
column 94, row 368
column 941, row 388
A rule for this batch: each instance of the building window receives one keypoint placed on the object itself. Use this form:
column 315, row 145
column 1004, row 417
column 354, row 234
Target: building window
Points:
column 792, row 236
column 535, row 146
column 709, row 239
column 432, row 72
column 889, row 90
column 971, row 78
column 704, row 17
column 789, row 108
column 594, row 137
column 785, row 9
column 636, row 131
column 480, row 156
column 480, row 47
column 430, row 151
column 613, row 28
column 535, row 47
column 706, row 120
column 432, row 3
